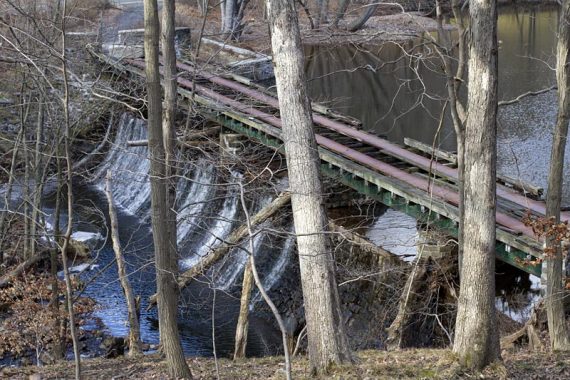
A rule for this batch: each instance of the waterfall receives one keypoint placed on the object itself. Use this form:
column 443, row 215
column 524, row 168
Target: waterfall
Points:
column 221, row 227
column 278, row 267
column 129, row 167
column 208, row 207
column 193, row 198
column 235, row 264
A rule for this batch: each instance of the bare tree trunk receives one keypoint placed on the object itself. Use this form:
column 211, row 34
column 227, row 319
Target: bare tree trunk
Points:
column 59, row 347
column 322, row 12
column 69, row 181
column 167, row 288
column 243, row 319
column 361, row 21
column 25, row 154
column 168, row 123
column 8, row 194
column 262, row 291
column 454, row 81
column 134, row 327
column 328, row 344
column 476, row 335
column 38, row 177
column 232, row 18
column 555, row 292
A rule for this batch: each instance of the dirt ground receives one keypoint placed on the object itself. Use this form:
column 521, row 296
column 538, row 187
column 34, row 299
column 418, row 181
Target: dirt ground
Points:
column 388, row 24
column 407, row 364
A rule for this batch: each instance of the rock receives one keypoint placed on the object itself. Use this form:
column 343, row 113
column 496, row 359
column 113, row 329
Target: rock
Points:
column 78, row 249
column 45, row 358
column 79, row 268
column 89, row 238
column 113, row 346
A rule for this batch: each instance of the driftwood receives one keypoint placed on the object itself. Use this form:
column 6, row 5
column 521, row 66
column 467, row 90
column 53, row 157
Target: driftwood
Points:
column 396, row 331
column 189, row 138
column 384, row 256
column 238, row 234
column 95, row 151
column 134, row 327
column 530, row 330
column 243, row 319
column 9, row 277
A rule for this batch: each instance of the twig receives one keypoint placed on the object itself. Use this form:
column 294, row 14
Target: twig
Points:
column 526, row 94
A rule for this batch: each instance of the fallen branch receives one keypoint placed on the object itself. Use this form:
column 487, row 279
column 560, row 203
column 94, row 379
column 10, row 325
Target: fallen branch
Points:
column 95, row 151
column 134, row 326
column 190, row 138
column 9, row 277
column 238, row 234
column 530, row 329
column 366, row 245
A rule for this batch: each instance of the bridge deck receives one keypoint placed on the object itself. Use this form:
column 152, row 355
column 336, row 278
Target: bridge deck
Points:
column 402, row 178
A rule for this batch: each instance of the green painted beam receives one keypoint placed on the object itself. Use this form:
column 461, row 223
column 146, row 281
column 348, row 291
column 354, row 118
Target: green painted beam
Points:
column 364, row 181
column 506, row 253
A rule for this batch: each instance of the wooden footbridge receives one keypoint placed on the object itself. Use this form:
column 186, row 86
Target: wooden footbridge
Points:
column 407, row 178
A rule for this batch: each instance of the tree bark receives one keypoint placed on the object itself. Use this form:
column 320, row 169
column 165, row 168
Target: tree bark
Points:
column 555, row 291
column 476, row 335
column 69, row 186
column 243, row 319
column 134, row 327
column 327, row 341
column 167, row 289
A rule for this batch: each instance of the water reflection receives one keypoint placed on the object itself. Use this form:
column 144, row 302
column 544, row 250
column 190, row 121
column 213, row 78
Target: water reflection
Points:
column 393, row 89
column 397, row 89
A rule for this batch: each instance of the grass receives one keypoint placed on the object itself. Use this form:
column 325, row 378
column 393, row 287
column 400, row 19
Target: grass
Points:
column 370, row 364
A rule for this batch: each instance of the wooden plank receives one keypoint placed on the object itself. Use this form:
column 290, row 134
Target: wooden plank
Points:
column 517, row 184
column 432, row 152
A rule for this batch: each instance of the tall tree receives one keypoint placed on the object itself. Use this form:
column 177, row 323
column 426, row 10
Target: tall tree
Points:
column 69, row 186
column 327, row 341
column 232, row 12
column 555, row 292
column 167, row 288
column 476, row 337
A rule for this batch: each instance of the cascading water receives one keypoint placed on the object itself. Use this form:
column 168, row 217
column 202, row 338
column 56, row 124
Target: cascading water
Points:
column 208, row 209
column 129, row 167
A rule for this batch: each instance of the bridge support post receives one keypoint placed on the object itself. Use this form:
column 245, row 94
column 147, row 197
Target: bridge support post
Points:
column 434, row 244
column 434, row 263
column 230, row 145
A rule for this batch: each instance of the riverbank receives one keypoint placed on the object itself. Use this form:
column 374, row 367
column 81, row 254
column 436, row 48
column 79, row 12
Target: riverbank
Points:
column 407, row 364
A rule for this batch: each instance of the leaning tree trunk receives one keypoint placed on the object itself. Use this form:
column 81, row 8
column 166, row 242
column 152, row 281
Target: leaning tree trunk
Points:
column 476, row 335
column 134, row 326
column 327, row 341
column 243, row 319
column 165, row 280
column 361, row 21
column 555, row 291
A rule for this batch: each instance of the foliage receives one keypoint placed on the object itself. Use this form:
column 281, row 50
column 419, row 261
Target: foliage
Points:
column 554, row 234
column 32, row 323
